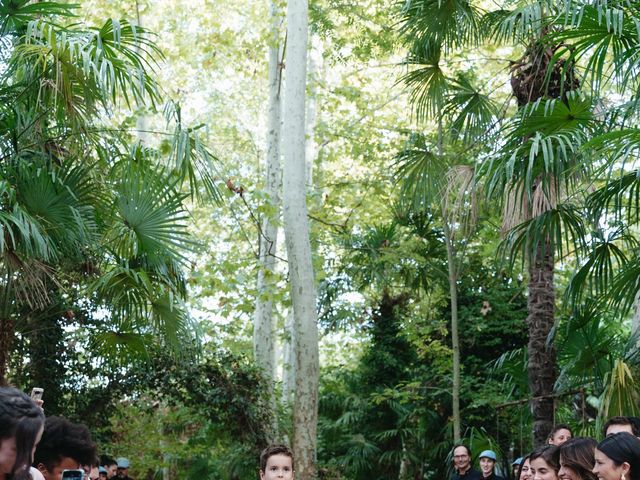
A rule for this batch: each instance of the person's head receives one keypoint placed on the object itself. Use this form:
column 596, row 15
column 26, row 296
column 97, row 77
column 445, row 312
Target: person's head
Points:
column 276, row 461
column 21, row 424
column 618, row 455
column 524, row 472
column 122, row 467
column 560, row 434
column 619, row 424
column 94, row 473
column 461, row 458
column 545, row 463
column 64, row 446
column 109, row 464
column 102, row 473
column 487, row 460
column 576, row 459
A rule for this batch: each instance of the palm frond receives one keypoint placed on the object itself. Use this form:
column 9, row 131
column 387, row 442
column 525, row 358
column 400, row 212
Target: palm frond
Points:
column 603, row 259
column 518, row 25
column 605, row 38
column 421, row 172
column 621, row 396
column 16, row 14
column 563, row 227
column 426, row 80
column 149, row 220
column 192, row 161
column 542, row 143
column 472, row 112
column 451, row 23
column 619, row 198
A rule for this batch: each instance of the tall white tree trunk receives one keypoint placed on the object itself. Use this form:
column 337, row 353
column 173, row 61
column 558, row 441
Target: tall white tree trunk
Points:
column 288, row 360
column 264, row 344
column 315, row 63
column 296, row 227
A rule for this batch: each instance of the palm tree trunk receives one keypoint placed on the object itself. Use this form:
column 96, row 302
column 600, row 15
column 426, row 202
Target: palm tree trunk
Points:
column 6, row 338
column 542, row 370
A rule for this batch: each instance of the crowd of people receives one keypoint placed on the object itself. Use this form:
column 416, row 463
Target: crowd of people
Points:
column 33, row 447
column 565, row 457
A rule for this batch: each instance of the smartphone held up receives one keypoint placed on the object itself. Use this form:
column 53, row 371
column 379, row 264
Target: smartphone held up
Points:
column 73, row 475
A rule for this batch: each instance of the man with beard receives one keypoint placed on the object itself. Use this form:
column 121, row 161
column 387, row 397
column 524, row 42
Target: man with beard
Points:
column 123, row 469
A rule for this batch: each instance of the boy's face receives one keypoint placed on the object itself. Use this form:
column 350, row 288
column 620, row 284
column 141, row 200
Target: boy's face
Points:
column 278, row 467
column 66, row 463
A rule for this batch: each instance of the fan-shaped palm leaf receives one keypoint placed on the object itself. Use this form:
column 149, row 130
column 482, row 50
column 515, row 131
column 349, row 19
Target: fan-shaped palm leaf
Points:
column 605, row 38
column 472, row 113
column 603, row 259
column 16, row 14
column 518, row 25
column 421, row 172
column 563, row 227
column 451, row 23
column 553, row 132
column 426, row 80
column 149, row 220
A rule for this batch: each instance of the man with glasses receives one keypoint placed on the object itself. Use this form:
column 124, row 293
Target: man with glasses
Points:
column 462, row 464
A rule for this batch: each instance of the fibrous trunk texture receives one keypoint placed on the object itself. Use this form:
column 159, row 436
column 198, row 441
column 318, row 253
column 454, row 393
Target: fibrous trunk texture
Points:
column 542, row 370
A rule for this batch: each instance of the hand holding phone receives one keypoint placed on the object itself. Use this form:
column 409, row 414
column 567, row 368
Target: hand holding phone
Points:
column 73, row 475
column 36, row 393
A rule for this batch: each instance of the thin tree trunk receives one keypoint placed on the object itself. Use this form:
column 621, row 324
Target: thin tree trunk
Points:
column 455, row 338
column 288, row 360
column 263, row 328
column 315, row 58
column 453, row 294
column 542, row 369
column 296, row 226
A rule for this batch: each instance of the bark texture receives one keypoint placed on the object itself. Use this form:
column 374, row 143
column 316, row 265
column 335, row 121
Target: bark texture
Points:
column 6, row 339
column 264, row 344
column 540, row 74
column 542, row 369
column 296, row 225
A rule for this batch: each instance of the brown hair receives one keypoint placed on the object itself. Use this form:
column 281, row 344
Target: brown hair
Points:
column 272, row 450
column 620, row 421
column 557, row 428
column 578, row 455
column 550, row 454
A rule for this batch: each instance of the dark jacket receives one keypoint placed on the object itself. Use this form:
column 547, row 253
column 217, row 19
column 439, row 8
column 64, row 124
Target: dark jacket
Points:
column 493, row 476
column 471, row 474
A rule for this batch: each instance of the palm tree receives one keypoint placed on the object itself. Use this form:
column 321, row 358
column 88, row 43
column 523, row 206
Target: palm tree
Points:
column 83, row 207
column 573, row 52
